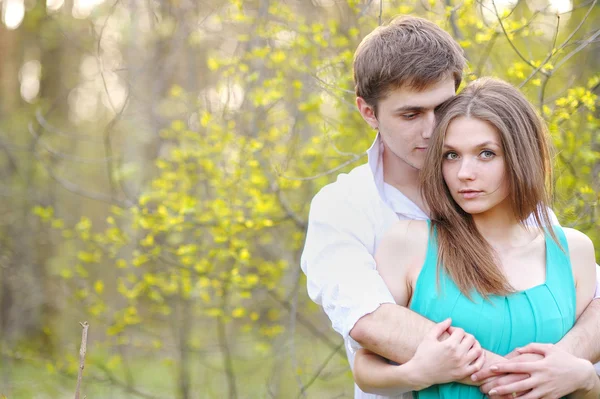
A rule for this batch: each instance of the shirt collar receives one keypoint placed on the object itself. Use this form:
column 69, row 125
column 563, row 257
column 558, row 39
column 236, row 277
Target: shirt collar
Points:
column 375, row 154
column 375, row 160
column 395, row 200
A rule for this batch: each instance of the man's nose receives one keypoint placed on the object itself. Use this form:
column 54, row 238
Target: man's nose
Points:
column 428, row 124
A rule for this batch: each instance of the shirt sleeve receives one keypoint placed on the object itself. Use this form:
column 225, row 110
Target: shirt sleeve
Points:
column 597, row 296
column 338, row 261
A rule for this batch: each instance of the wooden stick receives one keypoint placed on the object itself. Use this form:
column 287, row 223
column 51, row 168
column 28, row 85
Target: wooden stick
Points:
column 82, row 351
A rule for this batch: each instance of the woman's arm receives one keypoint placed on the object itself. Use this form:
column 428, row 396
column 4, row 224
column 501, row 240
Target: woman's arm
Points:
column 436, row 361
column 583, row 264
column 373, row 374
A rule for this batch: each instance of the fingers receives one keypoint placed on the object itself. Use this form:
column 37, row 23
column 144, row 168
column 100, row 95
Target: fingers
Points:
column 484, row 374
column 541, row 349
column 514, row 367
column 456, row 337
column 474, row 353
column 478, row 364
column 492, row 383
column 466, row 344
column 439, row 328
column 520, row 386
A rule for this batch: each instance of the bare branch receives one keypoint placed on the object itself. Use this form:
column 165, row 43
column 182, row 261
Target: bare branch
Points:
column 82, row 352
column 320, row 369
column 305, row 322
column 49, row 128
column 583, row 45
column 74, row 188
column 300, row 222
column 330, row 171
column 562, row 46
column 510, row 41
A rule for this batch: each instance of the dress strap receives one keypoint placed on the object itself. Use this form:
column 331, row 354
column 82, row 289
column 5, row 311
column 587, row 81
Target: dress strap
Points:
column 559, row 273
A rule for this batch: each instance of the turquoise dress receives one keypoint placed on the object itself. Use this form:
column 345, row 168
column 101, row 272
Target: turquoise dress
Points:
column 544, row 313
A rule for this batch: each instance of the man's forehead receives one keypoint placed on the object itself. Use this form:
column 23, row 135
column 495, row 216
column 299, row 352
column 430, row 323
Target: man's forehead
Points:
column 426, row 98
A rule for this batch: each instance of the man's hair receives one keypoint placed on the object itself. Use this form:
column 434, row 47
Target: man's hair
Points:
column 463, row 252
column 408, row 52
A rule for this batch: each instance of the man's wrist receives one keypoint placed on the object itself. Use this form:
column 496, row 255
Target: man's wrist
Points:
column 591, row 377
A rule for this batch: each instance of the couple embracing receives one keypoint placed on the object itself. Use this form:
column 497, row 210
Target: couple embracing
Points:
column 440, row 261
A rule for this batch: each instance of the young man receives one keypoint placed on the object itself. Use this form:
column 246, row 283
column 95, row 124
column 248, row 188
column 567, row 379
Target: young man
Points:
column 402, row 72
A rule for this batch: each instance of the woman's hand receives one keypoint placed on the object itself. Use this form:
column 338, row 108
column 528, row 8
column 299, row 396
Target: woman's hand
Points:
column 556, row 375
column 455, row 358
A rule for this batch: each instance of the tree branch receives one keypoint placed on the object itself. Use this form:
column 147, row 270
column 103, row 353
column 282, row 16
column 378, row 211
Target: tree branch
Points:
column 82, row 352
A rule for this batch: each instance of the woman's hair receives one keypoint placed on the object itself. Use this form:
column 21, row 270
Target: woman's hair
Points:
column 463, row 252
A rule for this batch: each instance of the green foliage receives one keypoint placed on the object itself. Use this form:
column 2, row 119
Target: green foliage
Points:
column 213, row 235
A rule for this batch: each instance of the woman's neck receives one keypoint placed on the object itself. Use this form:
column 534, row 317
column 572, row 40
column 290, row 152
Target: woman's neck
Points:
column 501, row 229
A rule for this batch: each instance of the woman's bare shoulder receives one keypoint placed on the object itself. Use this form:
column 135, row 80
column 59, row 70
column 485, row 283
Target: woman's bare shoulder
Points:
column 405, row 242
column 408, row 232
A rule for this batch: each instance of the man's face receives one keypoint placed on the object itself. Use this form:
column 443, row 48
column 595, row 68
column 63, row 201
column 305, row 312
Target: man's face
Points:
column 405, row 120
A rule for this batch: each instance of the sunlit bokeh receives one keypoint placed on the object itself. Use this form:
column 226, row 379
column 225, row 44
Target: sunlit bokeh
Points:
column 13, row 12
column 29, row 76
column 54, row 5
column 561, row 6
column 83, row 8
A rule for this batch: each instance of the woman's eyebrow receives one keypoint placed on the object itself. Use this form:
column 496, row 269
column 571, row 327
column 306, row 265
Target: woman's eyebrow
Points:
column 484, row 144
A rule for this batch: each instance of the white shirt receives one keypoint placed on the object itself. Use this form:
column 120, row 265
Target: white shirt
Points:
column 347, row 220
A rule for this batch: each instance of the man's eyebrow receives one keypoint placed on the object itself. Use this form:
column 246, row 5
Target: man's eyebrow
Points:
column 413, row 108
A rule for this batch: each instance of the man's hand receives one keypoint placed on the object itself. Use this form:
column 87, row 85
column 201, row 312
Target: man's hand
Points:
column 556, row 375
column 498, row 380
column 452, row 359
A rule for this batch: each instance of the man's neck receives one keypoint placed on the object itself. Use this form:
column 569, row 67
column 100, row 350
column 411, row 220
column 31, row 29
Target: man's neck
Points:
column 403, row 177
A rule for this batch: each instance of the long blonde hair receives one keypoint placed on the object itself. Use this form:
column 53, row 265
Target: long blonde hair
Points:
column 463, row 252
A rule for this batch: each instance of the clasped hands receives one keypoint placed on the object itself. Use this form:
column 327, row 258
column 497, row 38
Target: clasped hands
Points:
column 531, row 372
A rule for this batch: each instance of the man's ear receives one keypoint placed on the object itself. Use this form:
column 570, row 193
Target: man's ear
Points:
column 368, row 112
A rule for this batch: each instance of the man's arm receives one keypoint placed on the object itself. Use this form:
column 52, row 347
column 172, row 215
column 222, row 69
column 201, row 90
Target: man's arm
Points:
column 338, row 262
column 582, row 341
column 385, row 332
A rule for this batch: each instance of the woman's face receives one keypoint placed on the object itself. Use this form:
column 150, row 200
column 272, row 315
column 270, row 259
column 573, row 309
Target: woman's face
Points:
column 474, row 167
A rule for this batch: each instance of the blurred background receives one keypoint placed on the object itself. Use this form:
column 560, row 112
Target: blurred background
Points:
column 157, row 162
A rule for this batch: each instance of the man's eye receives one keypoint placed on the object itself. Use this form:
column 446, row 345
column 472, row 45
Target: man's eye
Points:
column 487, row 154
column 409, row 116
column 451, row 156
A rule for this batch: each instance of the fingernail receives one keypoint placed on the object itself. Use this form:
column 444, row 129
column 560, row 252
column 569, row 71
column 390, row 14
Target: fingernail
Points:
column 474, row 377
column 493, row 392
column 494, row 368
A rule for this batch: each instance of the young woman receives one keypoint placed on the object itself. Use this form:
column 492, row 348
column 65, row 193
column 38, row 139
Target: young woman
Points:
column 484, row 264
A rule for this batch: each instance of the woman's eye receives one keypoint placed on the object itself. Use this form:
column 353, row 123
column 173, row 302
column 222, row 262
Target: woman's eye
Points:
column 451, row 156
column 487, row 154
